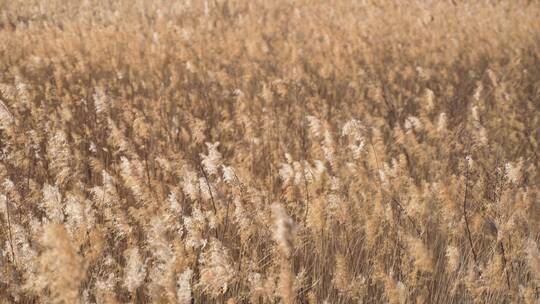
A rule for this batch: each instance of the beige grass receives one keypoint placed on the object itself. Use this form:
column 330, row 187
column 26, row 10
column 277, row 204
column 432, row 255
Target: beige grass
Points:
column 269, row 151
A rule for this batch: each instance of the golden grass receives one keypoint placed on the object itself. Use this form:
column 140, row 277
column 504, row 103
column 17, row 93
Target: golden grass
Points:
column 269, row 151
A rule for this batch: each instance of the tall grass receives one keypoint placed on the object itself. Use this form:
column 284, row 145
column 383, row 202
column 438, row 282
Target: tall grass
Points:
column 241, row 151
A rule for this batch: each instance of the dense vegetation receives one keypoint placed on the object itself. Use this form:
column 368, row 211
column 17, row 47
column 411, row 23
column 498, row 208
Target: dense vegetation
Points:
column 256, row 151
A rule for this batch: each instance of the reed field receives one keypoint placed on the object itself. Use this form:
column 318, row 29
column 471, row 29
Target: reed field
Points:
column 251, row 151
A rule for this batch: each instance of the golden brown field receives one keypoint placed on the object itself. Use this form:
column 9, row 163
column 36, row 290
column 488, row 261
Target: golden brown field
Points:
column 250, row 151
